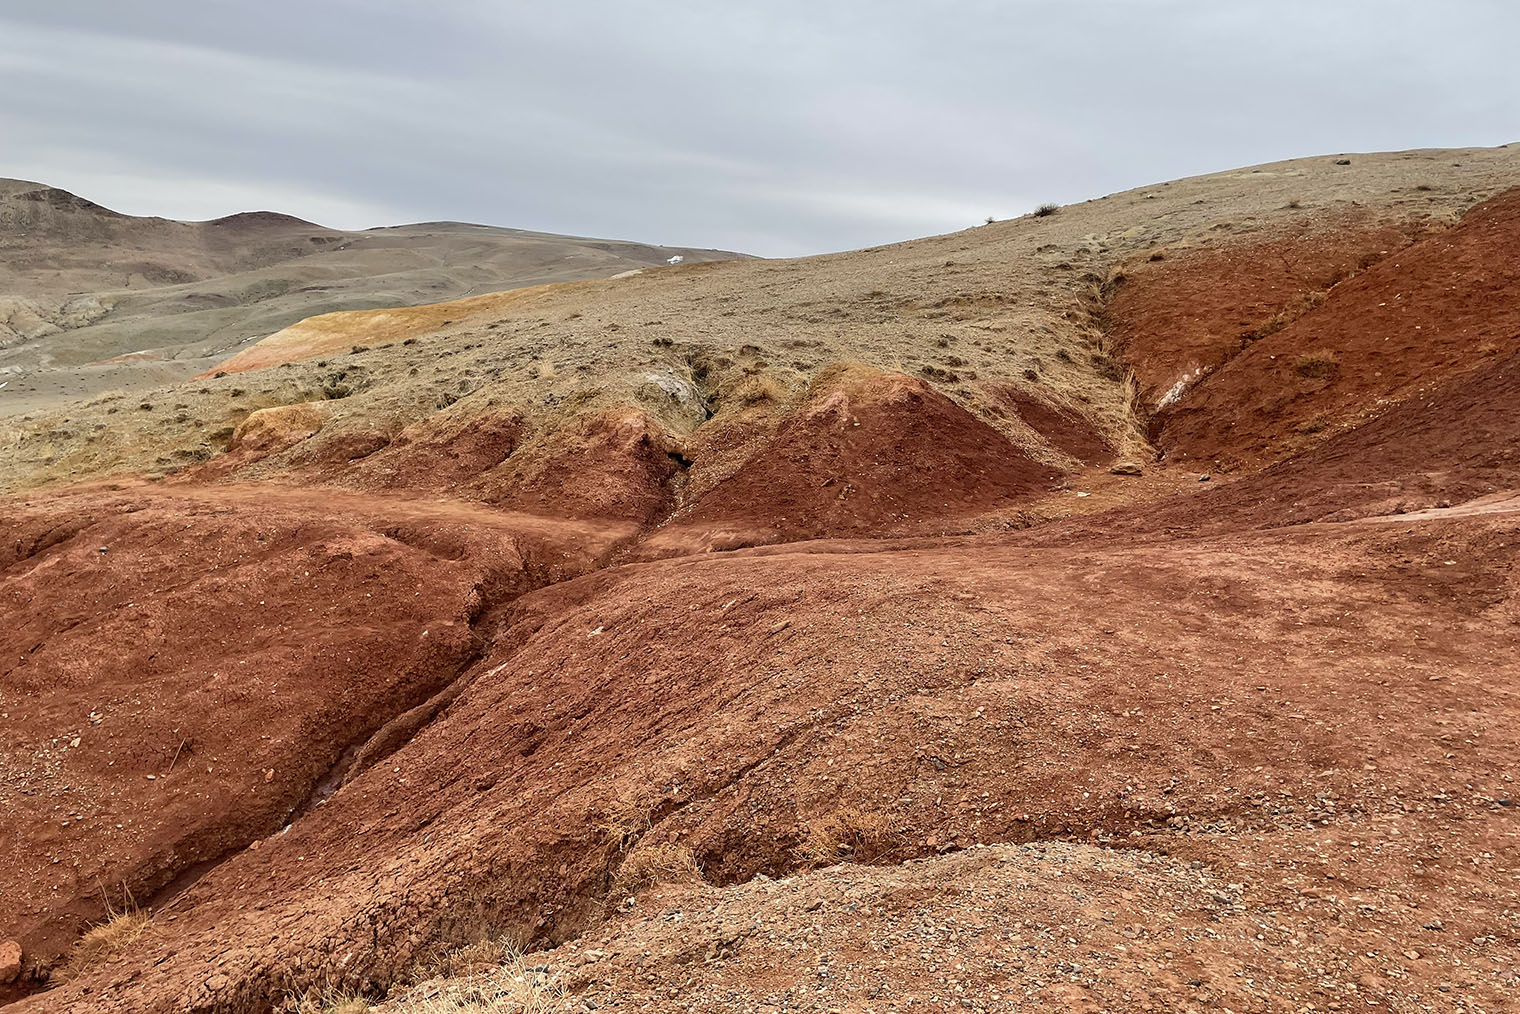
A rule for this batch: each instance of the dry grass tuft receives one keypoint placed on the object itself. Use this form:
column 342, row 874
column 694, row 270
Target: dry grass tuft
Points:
column 1317, row 365
column 849, row 835
column 657, row 864
column 471, row 959
column 102, row 943
column 326, row 1001
column 1046, row 210
column 624, row 822
column 513, row 987
column 753, row 389
column 1312, row 426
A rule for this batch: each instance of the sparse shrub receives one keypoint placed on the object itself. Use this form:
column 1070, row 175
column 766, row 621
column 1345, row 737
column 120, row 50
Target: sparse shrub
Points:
column 1107, row 368
column 657, row 864
column 848, row 835
column 1265, row 329
column 515, row 987
column 104, row 942
column 756, row 388
column 1315, row 425
column 471, row 959
column 624, row 822
column 990, row 220
column 1317, row 365
column 1046, row 210
column 1031, row 374
column 326, row 1001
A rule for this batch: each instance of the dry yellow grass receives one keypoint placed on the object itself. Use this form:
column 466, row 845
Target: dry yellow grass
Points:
column 102, row 943
column 511, row 986
column 327, row 1002
column 848, row 835
column 480, row 956
column 657, row 864
column 624, row 821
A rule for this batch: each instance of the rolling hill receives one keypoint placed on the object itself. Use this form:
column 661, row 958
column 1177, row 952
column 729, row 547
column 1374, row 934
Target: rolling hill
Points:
column 92, row 300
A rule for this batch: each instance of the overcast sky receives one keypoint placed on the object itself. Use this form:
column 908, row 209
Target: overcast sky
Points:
column 773, row 127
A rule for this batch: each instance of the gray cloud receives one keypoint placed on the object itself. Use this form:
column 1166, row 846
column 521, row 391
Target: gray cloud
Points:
column 778, row 128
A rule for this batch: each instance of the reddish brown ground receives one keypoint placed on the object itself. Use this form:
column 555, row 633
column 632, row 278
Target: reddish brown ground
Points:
column 184, row 668
column 1409, row 322
column 1256, row 701
column 868, row 454
column 1188, row 313
column 1247, row 747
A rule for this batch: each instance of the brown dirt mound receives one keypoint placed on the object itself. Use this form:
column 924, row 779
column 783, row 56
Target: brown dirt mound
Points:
column 619, row 465
column 436, row 454
column 1063, row 427
column 868, row 453
column 1433, row 311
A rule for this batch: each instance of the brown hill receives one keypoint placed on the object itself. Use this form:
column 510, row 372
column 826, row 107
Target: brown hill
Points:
column 510, row 627
column 92, row 300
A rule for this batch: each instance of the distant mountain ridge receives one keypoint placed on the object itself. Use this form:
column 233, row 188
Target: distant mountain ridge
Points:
column 82, row 285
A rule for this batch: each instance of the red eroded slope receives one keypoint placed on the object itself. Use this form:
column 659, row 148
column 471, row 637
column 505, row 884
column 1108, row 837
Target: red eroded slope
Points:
column 1450, row 444
column 1183, row 316
column 183, row 668
column 1206, row 698
column 1397, row 330
column 868, row 453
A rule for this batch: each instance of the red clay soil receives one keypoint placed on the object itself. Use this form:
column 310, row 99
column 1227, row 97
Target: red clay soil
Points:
column 1063, row 427
column 1398, row 330
column 869, row 453
column 1185, row 315
column 614, row 466
column 435, row 454
column 184, row 668
column 1448, row 445
column 1318, row 715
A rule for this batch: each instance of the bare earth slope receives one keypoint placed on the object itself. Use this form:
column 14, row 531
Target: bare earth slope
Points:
column 775, row 636
column 92, row 300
